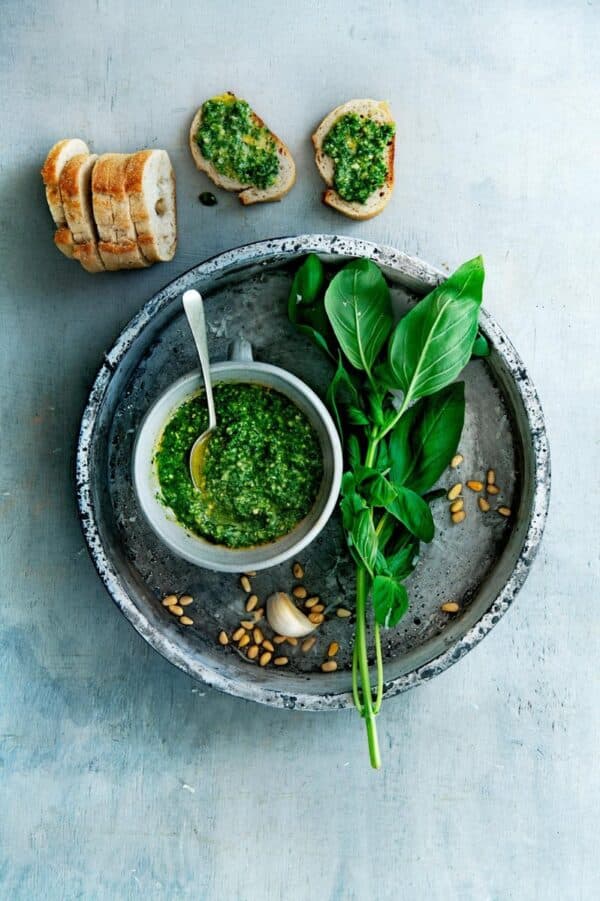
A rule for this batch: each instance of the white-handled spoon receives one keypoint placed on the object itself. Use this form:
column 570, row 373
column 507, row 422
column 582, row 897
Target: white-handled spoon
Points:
column 194, row 311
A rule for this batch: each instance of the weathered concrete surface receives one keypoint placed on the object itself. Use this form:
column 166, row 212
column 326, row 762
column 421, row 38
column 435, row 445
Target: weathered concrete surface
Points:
column 118, row 777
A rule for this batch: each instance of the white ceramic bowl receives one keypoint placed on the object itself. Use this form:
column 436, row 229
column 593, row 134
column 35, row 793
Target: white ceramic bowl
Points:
column 197, row 550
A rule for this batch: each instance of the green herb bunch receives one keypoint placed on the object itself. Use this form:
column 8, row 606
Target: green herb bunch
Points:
column 400, row 414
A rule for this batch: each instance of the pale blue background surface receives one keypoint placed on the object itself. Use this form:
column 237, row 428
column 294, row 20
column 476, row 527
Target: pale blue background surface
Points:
column 120, row 778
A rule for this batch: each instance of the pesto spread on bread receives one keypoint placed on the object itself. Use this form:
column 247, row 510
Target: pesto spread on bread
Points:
column 357, row 146
column 236, row 142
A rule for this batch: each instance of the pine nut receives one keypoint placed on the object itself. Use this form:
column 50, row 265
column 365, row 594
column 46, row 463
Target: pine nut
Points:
column 450, row 607
column 279, row 639
column 245, row 583
column 185, row 600
column 267, row 646
column 343, row 613
column 308, row 643
column 253, row 573
column 455, row 491
column 258, row 636
column 493, row 489
column 318, row 608
column 329, row 666
column 258, row 614
column 333, row 649
column 491, row 477
column 310, row 602
column 299, row 592
column 186, row 621
column 176, row 610
column 280, row 661
column 247, row 623
column 484, row 505
column 244, row 640
column 238, row 633
column 316, row 618
column 474, row 485
column 292, row 641
column 169, row 600
column 251, row 603
column 457, row 506
column 458, row 517
column 265, row 658
column 252, row 652
column 298, row 570
column 504, row 511
column 456, row 460
column 223, row 639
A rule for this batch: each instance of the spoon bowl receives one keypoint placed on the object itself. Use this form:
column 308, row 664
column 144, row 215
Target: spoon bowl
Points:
column 193, row 306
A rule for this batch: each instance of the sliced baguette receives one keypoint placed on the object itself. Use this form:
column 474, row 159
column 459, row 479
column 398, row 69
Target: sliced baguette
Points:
column 88, row 255
column 56, row 160
column 124, row 255
column 110, row 201
column 75, row 190
column 380, row 111
column 247, row 193
column 64, row 241
column 150, row 186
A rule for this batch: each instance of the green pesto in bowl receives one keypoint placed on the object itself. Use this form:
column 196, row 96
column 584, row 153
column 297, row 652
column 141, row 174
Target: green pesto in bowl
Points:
column 262, row 468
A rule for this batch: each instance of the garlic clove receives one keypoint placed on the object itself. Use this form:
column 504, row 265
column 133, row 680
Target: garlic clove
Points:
column 285, row 618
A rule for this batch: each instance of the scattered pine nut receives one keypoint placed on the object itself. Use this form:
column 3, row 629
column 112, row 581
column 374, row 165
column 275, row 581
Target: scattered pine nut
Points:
column 450, row 607
column 491, row 477
column 308, row 643
column 343, row 613
column 292, row 641
column 258, row 636
column 484, row 505
column 185, row 600
column 223, row 639
column 251, row 603
column 299, row 592
column 329, row 666
column 504, row 511
column 280, row 661
column 493, row 489
column 455, row 491
column 279, row 639
column 176, row 610
column 458, row 517
column 333, row 649
column 318, row 608
column 169, row 601
column 265, row 658
column 258, row 614
column 253, row 573
column 247, row 623
column 456, row 461
column 316, row 618
column 253, row 651
column 245, row 583
column 457, row 506
column 238, row 633
column 310, row 602
column 267, row 646
column 186, row 621
column 474, row 485
column 244, row 640
column 298, row 570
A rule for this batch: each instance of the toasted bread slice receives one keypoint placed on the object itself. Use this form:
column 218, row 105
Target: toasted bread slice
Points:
column 64, row 241
column 247, row 193
column 110, row 201
column 88, row 255
column 380, row 111
column 150, row 186
column 75, row 190
column 55, row 162
column 124, row 255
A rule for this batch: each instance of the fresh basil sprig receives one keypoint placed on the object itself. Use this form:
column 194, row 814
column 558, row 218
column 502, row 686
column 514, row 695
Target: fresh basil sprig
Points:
column 400, row 414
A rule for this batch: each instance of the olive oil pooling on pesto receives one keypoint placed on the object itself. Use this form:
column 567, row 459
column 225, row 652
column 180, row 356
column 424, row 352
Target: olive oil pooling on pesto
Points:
column 262, row 468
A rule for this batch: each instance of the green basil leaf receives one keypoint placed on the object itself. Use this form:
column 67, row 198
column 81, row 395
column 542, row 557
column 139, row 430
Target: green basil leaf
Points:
column 316, row 337
column 376, row 407
column 426, row 438
column 307, row 285
column 402, row 562
column 380, row 493
column 362, row 473
column 364, row 539
column 341, row 390
column 352, row 506
column 358, row 305
column 353, row 449
column 433, row 343
column 481, row 347
column 356, row 416
column 381, row 567
column 412, row 511
column 390, row 601
column 348, row 484
column 385, row 532
column 382, row 460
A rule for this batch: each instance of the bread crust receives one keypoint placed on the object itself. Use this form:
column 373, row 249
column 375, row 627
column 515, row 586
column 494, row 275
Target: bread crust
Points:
column 57, row 158
column 150, row 187
column 247, row 194
column 379, row 199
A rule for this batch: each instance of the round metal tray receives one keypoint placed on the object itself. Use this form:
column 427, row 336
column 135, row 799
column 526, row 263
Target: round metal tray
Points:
column 482, row 563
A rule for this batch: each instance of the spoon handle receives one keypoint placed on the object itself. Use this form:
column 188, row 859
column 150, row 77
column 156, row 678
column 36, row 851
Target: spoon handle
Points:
column 194, row 310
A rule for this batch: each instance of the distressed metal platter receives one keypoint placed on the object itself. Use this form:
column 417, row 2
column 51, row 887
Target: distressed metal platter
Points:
column 482, row 563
